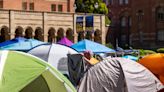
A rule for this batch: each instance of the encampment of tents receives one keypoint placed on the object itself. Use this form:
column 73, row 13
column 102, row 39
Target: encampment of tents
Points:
column 155, row 63
column 84, row 45
column 22, row 72
column 119, row 75
column 20, row 44
column 54, row 54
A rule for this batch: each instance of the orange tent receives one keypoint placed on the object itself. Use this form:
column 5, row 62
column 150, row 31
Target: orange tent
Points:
column 155, row 63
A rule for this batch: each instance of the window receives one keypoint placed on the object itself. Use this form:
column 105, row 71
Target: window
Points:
column 24, row 5
column 140, row 15
column 160, row 14
column 160, row 35
column 60, row 8
column 110, row 2
column 1, row 4
column 31, row 6
column 123, row 21
column 53, row 7
column 121, row 2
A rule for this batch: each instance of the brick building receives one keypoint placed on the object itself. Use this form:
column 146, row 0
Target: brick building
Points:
column 137, row 23
column 38, row 5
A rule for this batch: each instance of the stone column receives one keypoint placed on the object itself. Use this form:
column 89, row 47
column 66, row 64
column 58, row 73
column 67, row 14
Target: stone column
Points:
column 45, row 29
column 102, row 28
column 74, row 28
column 11, row 24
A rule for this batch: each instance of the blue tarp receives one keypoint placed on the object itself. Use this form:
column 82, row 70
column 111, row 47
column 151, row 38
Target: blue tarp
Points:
column 23, row 45
column 91, row 46
column 131, row 57
column 15, row 40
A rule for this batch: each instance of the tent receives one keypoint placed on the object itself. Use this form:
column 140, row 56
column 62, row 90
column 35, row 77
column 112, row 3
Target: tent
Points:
column 65, row 41
column 22, row 72
column 119, row 75
column 155, row 63
column 23, row 45
column 92, row 46
column 55, row 54
column 12, row 41
column 130, row 57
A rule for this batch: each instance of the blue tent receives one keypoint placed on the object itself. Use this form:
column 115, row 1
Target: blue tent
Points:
column 92, row 46
column 23, row 45
column 131, row 57
column 12, row 41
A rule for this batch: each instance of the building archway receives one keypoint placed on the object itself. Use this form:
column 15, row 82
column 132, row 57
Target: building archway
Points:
column 28, row 33
column 60, row 34
column 19, row 32
column 51, row 35
column 81, row 35
column 4, row 34
column 97, row 36
column 88, row 35
column 69, row 34
column 39, row 34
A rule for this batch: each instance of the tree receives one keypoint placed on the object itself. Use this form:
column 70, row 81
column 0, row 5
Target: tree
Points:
column 88, row 6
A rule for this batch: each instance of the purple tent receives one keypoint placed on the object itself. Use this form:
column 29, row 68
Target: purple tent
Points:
column 65, row 41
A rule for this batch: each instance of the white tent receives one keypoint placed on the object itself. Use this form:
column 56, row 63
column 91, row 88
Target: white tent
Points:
column 105, row 76
column 55, row 54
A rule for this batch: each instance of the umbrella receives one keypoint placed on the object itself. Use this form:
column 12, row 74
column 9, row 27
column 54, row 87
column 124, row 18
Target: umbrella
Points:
column 155, row 63
column 65, row 41
column 91, row 46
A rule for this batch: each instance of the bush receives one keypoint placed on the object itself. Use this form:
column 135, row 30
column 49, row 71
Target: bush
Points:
column 145, row 52
column 109, row 45
column 160, row 50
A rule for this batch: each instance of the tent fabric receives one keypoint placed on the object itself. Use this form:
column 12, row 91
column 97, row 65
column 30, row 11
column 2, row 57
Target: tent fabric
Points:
column 91, row 46
column 23, row 45
column 18, row 71
column 104, row 77
column 54, row 54
column 138, row 78
column 65, row 41
column 76, row 68
column 155, row 63
column 15, row 40
column 130, row 57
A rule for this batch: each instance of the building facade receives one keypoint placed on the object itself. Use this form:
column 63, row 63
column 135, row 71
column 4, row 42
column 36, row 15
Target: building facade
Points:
column 137, row 23
column 39, row 5
column 49, row 26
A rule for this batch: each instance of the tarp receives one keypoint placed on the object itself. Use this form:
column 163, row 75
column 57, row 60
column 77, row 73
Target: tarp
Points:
column 155, row 63
column 23, row 45
column 54, row 54
column 119, row 75
column 92, row 46
column 21, row 72
column 130, row 57
column 65, row 41
column 12, row 41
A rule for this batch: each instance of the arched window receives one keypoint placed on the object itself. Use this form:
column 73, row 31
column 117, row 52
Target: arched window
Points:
column 123, row 21
column 4, row 34
column 28, row 33
column 69, row 34
column 81, row 35
column 88, row 35
column 120, row 2
column 60, row 34
column 140, row 15
column 160, row 14
column 19, row 32
column 51, row 35
column 126, row 1
column 97, row 36
column 39, row 34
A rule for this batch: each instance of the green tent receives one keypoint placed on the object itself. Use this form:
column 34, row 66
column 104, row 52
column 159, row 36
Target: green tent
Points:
column 21, row 72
